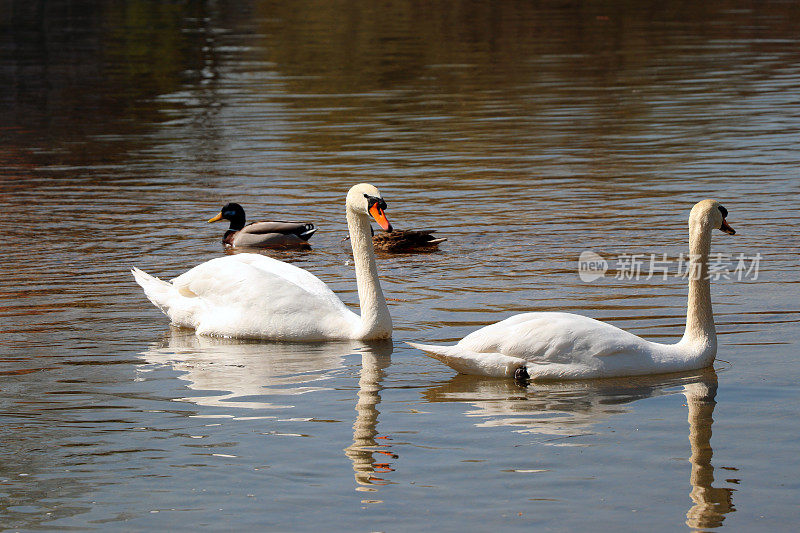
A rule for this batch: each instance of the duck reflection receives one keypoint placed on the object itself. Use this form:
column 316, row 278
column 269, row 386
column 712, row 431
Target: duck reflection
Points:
column 370, row 453
column 560, row 411
column 235, row 373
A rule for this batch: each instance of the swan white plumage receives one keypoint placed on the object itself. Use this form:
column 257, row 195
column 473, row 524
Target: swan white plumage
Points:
column 551, row 346
column 254, row 296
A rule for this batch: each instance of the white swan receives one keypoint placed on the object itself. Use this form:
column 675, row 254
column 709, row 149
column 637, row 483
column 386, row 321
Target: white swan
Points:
column 550, row 346
column 254, row 296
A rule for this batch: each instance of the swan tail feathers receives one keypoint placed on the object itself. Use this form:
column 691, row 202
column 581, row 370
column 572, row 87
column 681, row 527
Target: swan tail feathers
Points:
column 476, row 363
column 156, row 290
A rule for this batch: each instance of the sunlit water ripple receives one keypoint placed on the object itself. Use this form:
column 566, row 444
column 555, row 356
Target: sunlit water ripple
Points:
column 524, row 135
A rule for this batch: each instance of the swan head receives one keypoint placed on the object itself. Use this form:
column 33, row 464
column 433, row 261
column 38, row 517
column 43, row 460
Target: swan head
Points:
column 230, row 211
column 710, row 214
column 366, row 200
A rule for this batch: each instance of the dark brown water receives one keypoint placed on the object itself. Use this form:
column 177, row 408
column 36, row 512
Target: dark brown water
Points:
column 525, row 133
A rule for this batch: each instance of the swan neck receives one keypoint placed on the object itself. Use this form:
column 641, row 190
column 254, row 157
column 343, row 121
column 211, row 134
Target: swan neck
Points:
column 376, row 323
column 700, row 330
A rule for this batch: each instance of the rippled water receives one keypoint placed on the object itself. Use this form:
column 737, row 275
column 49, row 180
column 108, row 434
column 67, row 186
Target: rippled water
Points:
column 524, row 133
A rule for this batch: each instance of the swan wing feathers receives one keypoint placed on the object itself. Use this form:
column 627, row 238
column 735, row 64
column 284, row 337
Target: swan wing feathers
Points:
column 554, row 338
column 251, row 295
column 558, row 346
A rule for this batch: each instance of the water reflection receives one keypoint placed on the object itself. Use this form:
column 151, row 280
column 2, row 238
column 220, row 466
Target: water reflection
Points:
column 561, row 411
column 526, row 132
column 556, row 412
column 229, row 373
column 365, row 445
column 711, row 504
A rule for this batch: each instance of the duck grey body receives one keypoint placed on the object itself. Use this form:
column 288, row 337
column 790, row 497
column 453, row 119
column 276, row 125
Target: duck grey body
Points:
column 262, row 234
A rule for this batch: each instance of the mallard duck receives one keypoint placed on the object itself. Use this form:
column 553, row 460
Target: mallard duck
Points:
column 262, row 234
column 551, row 346
column 254, row 296
column 406, row 240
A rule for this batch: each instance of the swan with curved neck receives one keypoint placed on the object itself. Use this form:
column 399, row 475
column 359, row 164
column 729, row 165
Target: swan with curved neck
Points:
column 551, row 346
column 254, row 296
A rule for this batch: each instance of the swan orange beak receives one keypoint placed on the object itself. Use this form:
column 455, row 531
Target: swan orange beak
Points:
column 380, row 217
column 726, row 228
column 216, row 218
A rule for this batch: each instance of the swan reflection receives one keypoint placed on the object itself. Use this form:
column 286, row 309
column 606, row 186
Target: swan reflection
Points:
column 559, row 411
column 370, row 453
column 711, row 504
column 236, row 373
column 554, row 411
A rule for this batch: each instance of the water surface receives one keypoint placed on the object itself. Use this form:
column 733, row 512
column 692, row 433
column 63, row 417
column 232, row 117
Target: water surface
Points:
column 524, row 133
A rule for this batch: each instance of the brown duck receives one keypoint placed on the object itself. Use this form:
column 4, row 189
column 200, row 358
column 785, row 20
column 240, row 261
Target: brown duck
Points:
column 262, row 234
column 406, row 241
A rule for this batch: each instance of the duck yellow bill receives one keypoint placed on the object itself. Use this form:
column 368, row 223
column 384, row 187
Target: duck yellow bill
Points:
column 726, row 228
column 216, row 218
column 379, row 216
